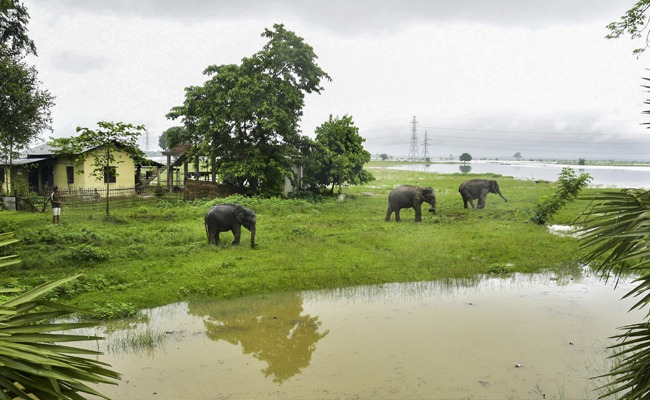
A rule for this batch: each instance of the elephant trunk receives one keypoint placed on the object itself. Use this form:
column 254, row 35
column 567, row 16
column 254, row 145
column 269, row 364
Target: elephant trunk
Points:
column 433, row 206
column 504, row 199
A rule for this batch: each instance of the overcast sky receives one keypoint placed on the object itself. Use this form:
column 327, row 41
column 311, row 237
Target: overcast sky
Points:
column 486, row 77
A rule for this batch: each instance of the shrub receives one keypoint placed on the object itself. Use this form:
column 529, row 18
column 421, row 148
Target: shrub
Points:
column 569, row 185
column 85, row 254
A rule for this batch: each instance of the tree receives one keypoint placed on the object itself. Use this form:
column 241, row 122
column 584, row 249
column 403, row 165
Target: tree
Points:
column 246, row 117
column 337, row 155
column 108, row 139
column 383, row 156
column 517, row 156
column 465, row 157
column 615, row 231
column 13, row 28
column 633, row 23
column 24, row 107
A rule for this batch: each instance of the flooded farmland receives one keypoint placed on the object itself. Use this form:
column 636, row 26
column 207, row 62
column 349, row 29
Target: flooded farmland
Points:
column 524, row 336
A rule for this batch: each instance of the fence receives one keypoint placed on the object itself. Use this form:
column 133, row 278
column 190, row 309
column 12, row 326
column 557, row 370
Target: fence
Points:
column 95, row 199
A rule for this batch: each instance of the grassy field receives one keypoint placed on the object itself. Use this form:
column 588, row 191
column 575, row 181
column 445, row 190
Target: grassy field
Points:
column 150, row 255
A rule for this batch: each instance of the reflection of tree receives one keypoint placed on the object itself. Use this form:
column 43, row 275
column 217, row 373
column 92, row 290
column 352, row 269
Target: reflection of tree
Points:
column 465, row 168
column 271, row 328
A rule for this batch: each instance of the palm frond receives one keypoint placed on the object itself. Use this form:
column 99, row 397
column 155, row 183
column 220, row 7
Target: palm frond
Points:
column 615, row 229
column 33, row 363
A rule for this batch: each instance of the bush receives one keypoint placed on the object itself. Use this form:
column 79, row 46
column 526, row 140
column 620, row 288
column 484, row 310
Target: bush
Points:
column 569, row 185
column 85, row 254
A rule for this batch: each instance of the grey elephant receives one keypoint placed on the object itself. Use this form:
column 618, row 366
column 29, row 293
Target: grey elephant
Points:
column 478, row 189
column 229, row 217
column 408, row 196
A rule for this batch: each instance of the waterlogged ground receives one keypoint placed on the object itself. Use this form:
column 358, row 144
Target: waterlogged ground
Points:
column 522, row 337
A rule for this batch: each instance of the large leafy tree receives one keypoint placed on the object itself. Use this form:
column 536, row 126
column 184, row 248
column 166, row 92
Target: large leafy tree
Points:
column 24, row 106
column 104, row 143
column 337, row 155
column 247, row 116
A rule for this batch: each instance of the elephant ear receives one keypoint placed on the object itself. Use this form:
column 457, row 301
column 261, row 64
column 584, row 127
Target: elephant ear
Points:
column 418, row 194
column 239, row 214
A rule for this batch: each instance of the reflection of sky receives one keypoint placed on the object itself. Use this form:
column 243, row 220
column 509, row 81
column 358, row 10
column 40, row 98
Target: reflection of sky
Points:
column 603, row 176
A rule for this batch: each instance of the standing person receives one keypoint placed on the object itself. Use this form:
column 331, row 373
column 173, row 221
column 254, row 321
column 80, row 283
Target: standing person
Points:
column 56, row 205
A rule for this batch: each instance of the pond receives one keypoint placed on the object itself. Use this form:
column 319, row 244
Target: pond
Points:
column 538, row 336
column 603, row 176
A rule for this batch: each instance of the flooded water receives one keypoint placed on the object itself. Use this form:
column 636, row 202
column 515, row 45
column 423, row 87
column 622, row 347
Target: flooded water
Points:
column 520, row 337
column 603, row 176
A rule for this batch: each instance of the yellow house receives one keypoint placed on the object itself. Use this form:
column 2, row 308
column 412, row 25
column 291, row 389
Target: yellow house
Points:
column 41, row 169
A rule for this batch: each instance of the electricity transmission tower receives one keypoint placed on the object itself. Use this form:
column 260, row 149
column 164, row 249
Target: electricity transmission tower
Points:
column 414, row 153
column 425, row 152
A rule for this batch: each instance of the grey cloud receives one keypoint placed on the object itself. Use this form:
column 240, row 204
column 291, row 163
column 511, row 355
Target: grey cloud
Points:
column 346, row 17
column 77, row 63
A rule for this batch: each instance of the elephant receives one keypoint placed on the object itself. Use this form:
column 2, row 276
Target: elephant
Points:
column 409, row 196
column 229, row 217
column 478, row 189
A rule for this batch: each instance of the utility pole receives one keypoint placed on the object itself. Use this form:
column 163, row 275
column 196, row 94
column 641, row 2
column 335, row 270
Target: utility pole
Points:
column 414, row 153
column 146, row 140
column 425, row 154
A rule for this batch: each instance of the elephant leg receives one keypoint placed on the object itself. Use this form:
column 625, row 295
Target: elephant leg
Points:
column 389, row 212
column 418, row 214
column 481, row 202
column 236, row 230
column 397, row 217
column 215, row 238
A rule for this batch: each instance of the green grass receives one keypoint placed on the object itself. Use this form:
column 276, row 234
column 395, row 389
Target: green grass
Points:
column 146, row 256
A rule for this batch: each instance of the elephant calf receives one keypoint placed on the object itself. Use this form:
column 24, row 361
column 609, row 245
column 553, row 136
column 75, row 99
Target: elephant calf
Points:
column 408, row 196
column 478, row 189
column 229, row 217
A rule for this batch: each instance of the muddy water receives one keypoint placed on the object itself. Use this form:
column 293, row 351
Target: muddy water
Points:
column 522, row 337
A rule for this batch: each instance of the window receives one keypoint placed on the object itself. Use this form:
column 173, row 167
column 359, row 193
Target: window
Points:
column 109, row 174
column 70, row 173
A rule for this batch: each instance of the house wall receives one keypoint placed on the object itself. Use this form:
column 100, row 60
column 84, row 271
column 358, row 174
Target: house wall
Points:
column 124, row 164
column 125, row 168
column 60, row 173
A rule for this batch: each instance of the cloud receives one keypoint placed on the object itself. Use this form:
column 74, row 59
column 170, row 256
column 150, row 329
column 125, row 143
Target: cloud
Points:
column 358, row 17
column 74, row 63
column 488, row 77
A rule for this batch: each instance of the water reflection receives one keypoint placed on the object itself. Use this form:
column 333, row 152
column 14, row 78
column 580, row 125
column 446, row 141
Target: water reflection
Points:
column 465, row 169
column 453, row 339
column 271, row 328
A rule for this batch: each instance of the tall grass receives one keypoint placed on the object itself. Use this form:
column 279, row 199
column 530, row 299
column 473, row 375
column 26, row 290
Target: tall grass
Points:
column 150, row 255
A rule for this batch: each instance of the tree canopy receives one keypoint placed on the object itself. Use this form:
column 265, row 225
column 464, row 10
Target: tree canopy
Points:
column 337, row 155
column 634, row 23
column 246, row 117
column 24, row 106
column 13, row 28
column 465, row 157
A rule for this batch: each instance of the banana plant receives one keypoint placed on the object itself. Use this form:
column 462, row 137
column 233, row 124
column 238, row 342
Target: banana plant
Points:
column 615, row 231
column 35, row 362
